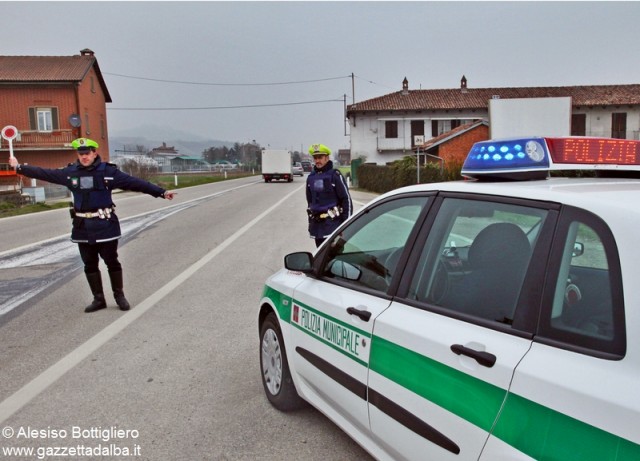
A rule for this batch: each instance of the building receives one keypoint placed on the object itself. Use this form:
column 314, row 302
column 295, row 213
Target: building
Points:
column 383, row 129
column 52, row 100
column 344, row 156
column 450, row 149
column 164, row 155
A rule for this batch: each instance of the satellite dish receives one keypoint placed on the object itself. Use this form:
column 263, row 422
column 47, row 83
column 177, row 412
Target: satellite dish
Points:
column 75, row 120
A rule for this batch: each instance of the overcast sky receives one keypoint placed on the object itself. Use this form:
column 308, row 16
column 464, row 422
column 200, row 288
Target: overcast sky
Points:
column 295, row 59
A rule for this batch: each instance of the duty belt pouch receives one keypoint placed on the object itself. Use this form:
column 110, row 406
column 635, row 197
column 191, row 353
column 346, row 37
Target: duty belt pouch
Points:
column 72, row 211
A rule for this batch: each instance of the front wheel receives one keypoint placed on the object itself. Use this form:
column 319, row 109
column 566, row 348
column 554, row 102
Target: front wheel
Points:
column 276, row 377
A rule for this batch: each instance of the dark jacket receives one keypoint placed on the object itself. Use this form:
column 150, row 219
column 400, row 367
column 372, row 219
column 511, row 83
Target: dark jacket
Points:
column 91, row 188
column 327, row 188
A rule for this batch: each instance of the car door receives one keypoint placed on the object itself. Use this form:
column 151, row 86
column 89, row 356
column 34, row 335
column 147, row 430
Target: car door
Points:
column 575, row 394
column 333, row 313
column 443, row 353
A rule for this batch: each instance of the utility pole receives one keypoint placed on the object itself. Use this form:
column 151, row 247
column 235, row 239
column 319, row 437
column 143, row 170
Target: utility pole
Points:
column 353, row 89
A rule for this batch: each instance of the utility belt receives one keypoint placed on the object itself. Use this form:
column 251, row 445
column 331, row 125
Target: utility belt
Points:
column 331, row 213
column 102, row 213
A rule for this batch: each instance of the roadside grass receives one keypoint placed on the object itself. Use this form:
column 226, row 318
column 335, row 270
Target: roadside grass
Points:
column 10, row 209
column 344, row 170
column 168, row 181
column 165, row 181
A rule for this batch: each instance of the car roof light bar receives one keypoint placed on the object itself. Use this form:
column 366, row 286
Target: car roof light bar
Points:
column 535, row 157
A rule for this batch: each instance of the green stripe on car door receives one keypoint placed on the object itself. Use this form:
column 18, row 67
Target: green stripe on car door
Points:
column 545, row 434
column 470, row 398
column 537, row 431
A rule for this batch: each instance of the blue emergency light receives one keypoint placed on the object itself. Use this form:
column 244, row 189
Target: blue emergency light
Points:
column 535, row 157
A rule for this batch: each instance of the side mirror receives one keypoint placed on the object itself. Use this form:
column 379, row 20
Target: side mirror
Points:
column 299, row 262
column 578, row 249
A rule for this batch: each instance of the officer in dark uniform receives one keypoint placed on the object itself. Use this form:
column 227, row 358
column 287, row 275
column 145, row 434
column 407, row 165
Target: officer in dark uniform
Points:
column 96, row 228
column 328, row 200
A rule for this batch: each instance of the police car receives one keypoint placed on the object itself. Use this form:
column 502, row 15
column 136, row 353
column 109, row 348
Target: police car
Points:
column 496, row 318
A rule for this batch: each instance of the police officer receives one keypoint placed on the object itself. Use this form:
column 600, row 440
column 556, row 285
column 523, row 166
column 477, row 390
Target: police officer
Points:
column 328, row 200
column 96, row 228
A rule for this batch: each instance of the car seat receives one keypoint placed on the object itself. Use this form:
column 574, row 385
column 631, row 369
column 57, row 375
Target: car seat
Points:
column 498, row 259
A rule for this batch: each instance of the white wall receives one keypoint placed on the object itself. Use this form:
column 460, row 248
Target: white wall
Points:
column 509, row 118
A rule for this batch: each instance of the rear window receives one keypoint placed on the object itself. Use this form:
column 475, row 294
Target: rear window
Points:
column 586, row 308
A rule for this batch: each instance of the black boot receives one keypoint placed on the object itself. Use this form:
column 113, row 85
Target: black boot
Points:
column 118, row 293
column 95, row 282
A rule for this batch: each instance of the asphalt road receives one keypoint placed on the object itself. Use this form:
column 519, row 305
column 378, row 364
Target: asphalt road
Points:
column 177, row 377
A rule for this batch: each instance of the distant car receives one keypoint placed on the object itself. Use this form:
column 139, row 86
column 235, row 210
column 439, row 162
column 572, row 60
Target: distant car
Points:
column 495, row 318
column 297, row 169
column 307, row 166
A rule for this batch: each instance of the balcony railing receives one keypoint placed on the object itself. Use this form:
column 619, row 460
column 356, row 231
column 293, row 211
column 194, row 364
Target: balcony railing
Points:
column 393, row 144
column 57, row 139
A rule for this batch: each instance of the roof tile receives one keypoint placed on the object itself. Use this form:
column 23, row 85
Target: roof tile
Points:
column 478, row 98
column 44, row 68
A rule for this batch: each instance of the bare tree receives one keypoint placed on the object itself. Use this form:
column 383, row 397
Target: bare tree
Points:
column 140, row 168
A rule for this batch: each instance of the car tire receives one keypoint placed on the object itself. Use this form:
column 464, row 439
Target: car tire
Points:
column 276, row 377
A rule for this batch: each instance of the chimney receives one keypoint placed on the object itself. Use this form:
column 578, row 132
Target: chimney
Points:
column 463, row 84
column 405, row 86
column 86, row 52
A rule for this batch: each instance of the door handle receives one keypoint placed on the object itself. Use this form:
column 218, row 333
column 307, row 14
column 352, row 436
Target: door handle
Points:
column 483, row 358
column 364, row 315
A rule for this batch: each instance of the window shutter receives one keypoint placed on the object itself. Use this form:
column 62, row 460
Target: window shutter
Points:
column 54, row 118
column 33, row 124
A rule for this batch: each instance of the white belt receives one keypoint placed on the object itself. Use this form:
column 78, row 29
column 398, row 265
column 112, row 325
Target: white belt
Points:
column 100, row 213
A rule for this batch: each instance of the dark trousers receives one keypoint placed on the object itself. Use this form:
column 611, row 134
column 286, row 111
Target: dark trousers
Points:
column 91, row 254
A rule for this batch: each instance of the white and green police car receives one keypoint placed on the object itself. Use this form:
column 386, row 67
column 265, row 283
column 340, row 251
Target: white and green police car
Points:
column 496, row 318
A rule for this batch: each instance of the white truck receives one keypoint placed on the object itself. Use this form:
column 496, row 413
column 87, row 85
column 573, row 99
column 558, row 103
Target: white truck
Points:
column 277, row 164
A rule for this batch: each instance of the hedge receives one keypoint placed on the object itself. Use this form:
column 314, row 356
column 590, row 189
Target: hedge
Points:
column 383, row 178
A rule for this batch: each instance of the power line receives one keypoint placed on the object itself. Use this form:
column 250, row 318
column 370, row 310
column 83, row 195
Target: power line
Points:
column 372, row 82
column 226, row 84
column 227, row 107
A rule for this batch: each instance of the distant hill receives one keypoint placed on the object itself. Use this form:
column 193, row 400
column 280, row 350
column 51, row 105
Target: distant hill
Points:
column 153, row 136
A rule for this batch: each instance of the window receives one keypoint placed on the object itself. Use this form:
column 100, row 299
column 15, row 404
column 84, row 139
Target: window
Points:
column 366, row 253
column 442, row 126
column 391, row 129
column 417, row 129
column 475, row 258
column 619, row 125
column 43, row 118
column 578, row 124
column 586, row 309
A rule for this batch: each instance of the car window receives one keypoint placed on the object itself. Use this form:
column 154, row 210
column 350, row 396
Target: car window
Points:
column 587, row 306
column 366, row 253
column 475, row 258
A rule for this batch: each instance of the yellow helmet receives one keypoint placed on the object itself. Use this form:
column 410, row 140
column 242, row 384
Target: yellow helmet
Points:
column 84, row 144
column 319, row 149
